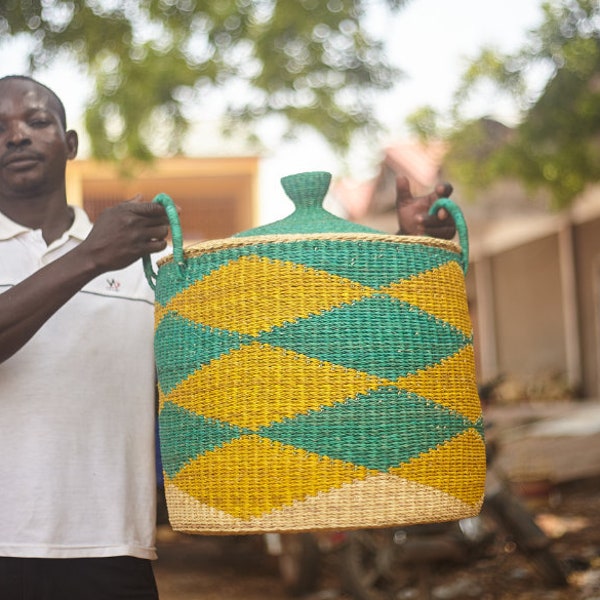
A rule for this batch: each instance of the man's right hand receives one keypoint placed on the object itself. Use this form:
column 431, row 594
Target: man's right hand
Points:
column 126, row 232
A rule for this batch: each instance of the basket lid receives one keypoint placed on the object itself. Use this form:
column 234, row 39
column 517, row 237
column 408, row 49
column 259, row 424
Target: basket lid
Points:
column 307, row 191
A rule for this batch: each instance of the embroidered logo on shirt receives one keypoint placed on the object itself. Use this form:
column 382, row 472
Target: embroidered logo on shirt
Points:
column 113, row 285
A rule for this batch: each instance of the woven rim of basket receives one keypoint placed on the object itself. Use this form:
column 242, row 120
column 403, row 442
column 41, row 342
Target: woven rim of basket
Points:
column 202, row 248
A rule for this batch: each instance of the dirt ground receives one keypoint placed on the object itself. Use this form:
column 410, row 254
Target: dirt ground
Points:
column 239, row 568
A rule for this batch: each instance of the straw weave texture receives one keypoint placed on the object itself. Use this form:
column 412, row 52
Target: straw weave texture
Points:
column 317, row 382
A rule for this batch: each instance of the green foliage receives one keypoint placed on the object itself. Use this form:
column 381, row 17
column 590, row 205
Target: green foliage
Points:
column 556, row 146
column 312, row 63
column 424, row 122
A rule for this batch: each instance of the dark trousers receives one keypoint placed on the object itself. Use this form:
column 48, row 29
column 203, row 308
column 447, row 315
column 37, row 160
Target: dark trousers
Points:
column 111, row 578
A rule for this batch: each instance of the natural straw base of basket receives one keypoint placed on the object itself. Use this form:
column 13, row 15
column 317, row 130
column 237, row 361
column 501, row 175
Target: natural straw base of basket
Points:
column 382, row 501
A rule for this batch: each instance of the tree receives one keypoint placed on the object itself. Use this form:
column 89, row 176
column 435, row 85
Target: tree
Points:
column 310, row 63
column 556, row 145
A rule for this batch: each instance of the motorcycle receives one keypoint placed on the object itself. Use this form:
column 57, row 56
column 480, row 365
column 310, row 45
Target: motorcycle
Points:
column 384, row 564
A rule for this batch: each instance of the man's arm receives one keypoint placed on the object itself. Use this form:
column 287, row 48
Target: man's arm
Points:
column 122, row 234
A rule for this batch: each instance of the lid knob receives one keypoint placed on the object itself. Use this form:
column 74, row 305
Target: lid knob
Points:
column 307, row 190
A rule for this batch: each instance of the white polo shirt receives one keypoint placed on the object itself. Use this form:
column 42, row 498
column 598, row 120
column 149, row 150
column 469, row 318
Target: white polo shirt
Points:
column 77, row 438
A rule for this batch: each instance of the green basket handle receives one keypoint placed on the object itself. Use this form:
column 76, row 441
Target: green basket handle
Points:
column 176, row 235
column 461, row 227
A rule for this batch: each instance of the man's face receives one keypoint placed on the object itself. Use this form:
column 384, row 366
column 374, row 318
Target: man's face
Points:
column 34, row 146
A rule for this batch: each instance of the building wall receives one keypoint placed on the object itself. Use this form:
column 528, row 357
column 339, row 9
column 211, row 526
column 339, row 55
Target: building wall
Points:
column 587, row 253
column 536, row 305
column 528, row 310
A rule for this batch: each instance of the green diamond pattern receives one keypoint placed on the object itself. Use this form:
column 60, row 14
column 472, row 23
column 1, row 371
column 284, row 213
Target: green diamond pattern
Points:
column 415, row 332
column 378, row 430
column 357, row 260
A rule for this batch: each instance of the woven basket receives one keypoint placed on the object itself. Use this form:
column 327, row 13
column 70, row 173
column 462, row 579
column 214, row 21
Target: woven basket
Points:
column 315, row 374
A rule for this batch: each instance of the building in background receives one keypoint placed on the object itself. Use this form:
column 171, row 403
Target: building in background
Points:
column 217, row 196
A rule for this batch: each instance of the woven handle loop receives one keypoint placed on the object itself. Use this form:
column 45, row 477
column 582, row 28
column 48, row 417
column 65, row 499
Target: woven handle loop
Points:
column 176, row 235
column 461, row 227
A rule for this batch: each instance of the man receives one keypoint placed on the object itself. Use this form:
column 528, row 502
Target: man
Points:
column 77, row 503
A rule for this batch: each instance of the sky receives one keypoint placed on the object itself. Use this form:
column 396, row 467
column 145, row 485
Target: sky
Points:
column 429, row 40
column 432, row 41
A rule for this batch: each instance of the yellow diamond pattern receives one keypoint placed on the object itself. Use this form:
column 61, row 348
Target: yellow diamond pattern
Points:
column 251, row 476
column 275, row 384
column 433, row 468
column 215, row 300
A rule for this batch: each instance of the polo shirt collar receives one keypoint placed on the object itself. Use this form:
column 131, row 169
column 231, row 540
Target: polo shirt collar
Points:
column 81, row 224
column 79, row 230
